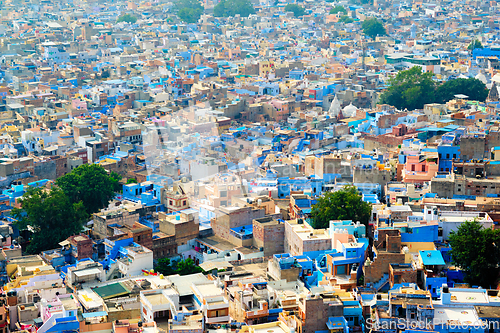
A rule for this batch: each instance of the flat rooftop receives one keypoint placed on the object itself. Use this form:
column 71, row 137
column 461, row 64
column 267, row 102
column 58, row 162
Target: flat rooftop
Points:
column 459, row 315
column 487, row 311
column 157, row 299
column 216, row 243
column 468, row 296
column 209, row 289
column 183, row 283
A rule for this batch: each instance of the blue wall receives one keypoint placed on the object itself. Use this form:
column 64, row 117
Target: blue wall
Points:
column 446, row 155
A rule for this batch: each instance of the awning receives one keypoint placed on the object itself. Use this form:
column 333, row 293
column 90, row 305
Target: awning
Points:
column 89, row 271
column 94, row 314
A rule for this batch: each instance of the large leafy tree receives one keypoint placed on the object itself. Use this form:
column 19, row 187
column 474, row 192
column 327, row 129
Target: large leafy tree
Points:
column 116, row 177
column 90, row 184
column 188, row 10
column 475, row 44
column 227, row 8
column 410, row 89
column 187, row 266
column 362, row 2
column 338, row 9
column 164, row 266
column 182, row 267
column 476, row 251
column 127, row 18
column 297, row 10
column 51, row 217
column 345, row 204
column 345, row 19
column 474, row 88
column 373, row 28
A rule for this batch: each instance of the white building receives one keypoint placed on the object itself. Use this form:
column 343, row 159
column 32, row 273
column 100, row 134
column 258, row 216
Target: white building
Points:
column 211, row 301
column 159, row 304
column 134, row 259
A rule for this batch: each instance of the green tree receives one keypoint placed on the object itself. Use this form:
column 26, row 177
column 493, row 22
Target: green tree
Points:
column 189, row 10
column 373, row 28
column 476, row 251
column 90, row 184
column 474, row 88
column 105, row 74
column 164, row 266
column 187, row 266
column 227, row 8
column 50, row 215
column 338, row 9
column 410, row 89
column 131, row 181
column 116, row 177
column 475, row 44
column 345, row 19
column 345, row 204
column 297, row 10
column 127, row 18
column 362, row 2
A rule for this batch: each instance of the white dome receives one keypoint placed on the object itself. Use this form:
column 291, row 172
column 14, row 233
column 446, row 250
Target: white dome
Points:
column 481, row 77
column 349, row 111
column 334, row 110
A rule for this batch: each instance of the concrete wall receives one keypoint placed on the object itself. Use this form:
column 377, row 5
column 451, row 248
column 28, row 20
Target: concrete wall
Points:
column 472, row 148
column 46, row 170
column 269, row 236
column 226, row 220
column 274, row 270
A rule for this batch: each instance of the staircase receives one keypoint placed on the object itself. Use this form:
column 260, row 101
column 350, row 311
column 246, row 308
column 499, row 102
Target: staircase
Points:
column 381, row 283
column 50, row 322
column 113, row 268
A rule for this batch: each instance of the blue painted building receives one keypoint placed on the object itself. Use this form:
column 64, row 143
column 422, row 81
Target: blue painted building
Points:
column 446, row 155
column 148, row 193
column 286, row 185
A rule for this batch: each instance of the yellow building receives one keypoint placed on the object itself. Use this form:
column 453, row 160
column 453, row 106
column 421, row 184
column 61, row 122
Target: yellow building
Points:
column 21, row 270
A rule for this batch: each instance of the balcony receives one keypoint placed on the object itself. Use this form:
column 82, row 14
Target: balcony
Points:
column 216, row 320
column 257, row 314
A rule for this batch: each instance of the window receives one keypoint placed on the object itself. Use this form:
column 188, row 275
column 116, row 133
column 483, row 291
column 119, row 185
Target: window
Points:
column 447, row 156
column 413, row 167
column 170, row 202
column 184, row 202
column 454, row 155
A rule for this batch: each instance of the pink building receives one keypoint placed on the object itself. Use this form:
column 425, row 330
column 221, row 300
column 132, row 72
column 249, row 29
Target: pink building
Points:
column 79, row 104
column 419, row 170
